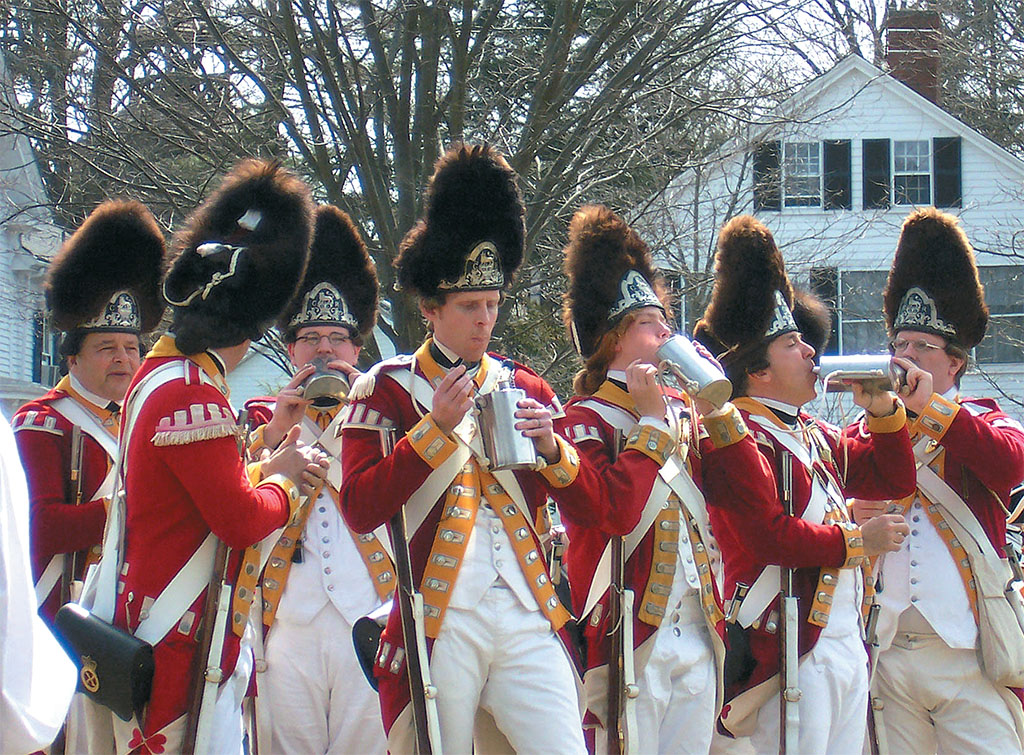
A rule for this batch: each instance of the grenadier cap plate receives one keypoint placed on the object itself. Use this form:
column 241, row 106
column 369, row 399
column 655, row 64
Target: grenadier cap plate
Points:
column 918, row 312
column 481, row 273
column 634, row 293
column 120, row 315
column 323, row 305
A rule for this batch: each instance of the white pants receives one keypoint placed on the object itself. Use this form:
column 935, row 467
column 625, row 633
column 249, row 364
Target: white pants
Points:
column 938, row 700
column 314, row 692
column 833, row 705
column 505, row 660
column 675, row 711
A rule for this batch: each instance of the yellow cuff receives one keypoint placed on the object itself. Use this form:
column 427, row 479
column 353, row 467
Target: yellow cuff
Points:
column 288, row 487
column 937, row 417
column 725, row 426
column 890, row 423
column 254, row 471
column 854, row 545
column 257, row 441
column 562, row 473
column 432, row 445
column 651, row 442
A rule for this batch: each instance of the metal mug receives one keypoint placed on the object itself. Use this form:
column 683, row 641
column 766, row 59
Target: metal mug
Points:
column 325, row 388
column 504, row 445
column 695, row 374
column 875, row 372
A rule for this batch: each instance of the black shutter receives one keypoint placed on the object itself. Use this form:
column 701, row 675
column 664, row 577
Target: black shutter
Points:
column 876, row 173
column 946, row 152
column 37, row 348
column 767, row 177
column 825, row 285
column 838, row 195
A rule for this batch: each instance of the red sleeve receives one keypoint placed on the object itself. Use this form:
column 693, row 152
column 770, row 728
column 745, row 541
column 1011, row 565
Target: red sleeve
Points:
column 56, row 526
column 213, row 474
column 878, row 458
column 375, row 487
column 748, row 518
column 605, row 496
column 990, row 445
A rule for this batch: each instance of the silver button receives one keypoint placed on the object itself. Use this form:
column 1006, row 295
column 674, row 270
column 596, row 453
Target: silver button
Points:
column 913, row 598
column 913, row 532
column 330, row 588
column 323, row 509
column 325, row 540
column 913, row 580
column 676, row 631
column 917, row 519
column 323, row 524
column 495, row 529
column 689, row 559
column 327, row 554
column 497, row 546
column 684, row 539
column 675, row 618
column 679, row 605
column 913, row 563
column 327, row 570
column 499, row 563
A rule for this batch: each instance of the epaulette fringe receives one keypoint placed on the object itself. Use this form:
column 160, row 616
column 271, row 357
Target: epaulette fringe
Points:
column 194, row 435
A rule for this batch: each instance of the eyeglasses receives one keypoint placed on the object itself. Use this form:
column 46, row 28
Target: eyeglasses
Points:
column 901, row 344
column 314, row 339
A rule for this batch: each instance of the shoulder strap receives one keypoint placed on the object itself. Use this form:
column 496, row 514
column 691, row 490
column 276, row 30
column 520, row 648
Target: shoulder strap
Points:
column 77, row 414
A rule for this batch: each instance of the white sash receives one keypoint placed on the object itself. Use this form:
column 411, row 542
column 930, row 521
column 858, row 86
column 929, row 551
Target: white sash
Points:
column 49, row 578
column 769, row 582
column 100, row 594
column 672, row 478
column 89, row 423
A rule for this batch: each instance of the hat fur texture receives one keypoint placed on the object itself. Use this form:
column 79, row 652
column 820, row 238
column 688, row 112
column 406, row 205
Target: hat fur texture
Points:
column 602, row 249
column 934, row 254
column 338, row 256
column 473, row 196
column 243, row 306
column 814, row 319
column 748, row 271
column 119, row 247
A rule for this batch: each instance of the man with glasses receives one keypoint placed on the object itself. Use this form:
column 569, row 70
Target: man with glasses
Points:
column 934, row 691
column 321, row 576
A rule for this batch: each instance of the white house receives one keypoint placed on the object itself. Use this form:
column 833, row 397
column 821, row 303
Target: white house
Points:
column 29, row 237
column 835, row 172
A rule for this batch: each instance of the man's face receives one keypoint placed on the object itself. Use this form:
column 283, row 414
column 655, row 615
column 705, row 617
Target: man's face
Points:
column 465, row 321
column 106, row 363
column 789, row 376
column 928, row 351
column 641, row 339
column 326, row 341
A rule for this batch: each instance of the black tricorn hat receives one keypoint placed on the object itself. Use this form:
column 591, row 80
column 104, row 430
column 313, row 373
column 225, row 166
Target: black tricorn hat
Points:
column 472, row 234
column 240, row 257
column 340, row 286
column 752, row 299
column 610, row 273
column 933, row 284
column 106, row 277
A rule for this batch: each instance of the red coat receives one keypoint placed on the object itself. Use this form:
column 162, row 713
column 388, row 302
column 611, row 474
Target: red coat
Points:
column 375, row 487
column 753, row 530
column 56, row 525
column 627, row 484
column 176, row 493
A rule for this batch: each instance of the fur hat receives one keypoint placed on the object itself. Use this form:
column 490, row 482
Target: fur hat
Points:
column 340, row 286
column 610, row 273
column 933, row 284
column 752, row 299
column 813, row 318
column 471, row 236
column 240, row 257
column 106, row 277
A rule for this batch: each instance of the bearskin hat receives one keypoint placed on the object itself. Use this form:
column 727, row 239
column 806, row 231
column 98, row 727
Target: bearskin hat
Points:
column 814, row 319
column 602, row 260
column 933, row 284
column 472, row 233
column 752, row 299
column 240, row 257
column 340, row 286
column 118, row 250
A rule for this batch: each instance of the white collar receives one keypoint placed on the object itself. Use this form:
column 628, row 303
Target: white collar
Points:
column 449, row 354
column 88, row 395
column 619, row 375
column 782, row 406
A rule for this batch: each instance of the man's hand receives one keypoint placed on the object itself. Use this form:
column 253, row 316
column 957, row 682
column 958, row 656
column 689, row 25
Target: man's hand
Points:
column 315, row 473
column 875, row 403
column 345, row 368
column 452, row 399
column 536, row 423
column 288, row 409
column 885, row 532
column 294, row 460
column 864, row 510
column 918, row 391
column 642, row 383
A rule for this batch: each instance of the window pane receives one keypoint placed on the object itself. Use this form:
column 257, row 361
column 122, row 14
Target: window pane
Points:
column 864, row 337
column 802, row 171
column 914, row 190
column 1004, row 288
column 1003, row 341
column 862, row 294
column 911, row 157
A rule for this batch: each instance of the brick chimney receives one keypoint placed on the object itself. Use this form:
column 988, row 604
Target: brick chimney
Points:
column 912, row 49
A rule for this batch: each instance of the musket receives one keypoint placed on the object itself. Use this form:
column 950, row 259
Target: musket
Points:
column 70, row 569
column 206, row 671
column 422, row 693
column 621, row 682
column 877, row 741
column 789, row 637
